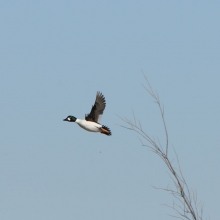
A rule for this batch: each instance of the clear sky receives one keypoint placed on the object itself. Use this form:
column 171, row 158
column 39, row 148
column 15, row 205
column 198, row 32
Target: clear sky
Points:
column 55, row 56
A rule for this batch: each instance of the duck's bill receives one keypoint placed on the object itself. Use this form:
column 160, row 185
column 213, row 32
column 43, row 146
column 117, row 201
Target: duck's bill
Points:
column 65, row 119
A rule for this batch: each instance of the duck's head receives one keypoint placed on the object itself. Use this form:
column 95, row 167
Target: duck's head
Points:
column 70, row 118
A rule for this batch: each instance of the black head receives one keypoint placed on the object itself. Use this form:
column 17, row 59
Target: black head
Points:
column 70, row 118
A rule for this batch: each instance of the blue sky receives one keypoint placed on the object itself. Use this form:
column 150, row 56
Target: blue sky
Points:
column 55, row 56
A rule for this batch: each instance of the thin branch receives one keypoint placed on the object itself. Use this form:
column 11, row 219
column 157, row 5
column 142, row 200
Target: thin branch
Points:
column 188, row 207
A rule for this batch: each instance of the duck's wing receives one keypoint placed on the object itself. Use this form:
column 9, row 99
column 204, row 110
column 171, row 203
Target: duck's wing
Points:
column 97, row 108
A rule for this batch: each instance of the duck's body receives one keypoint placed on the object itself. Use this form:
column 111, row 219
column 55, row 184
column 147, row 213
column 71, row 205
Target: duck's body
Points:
column 91, row 121
column 88, row 125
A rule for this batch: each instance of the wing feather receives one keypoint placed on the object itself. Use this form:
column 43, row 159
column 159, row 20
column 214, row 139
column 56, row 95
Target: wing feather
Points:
column 97, row 109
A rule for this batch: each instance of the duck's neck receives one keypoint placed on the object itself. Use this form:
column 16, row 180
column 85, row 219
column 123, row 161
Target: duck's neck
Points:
column 78, row 120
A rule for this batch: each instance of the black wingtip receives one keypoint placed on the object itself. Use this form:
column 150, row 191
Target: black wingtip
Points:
column 100, row 94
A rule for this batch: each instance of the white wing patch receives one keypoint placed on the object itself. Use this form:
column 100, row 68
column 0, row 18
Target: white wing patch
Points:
column 99, row 118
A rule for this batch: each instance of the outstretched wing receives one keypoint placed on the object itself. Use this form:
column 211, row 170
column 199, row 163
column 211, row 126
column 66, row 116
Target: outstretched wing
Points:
column 97, row 108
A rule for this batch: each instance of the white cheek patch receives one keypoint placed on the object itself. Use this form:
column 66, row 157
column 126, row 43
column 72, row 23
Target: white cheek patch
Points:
column 68, row 119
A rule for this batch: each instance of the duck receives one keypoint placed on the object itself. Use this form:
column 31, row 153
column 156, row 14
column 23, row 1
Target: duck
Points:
column 91, row 121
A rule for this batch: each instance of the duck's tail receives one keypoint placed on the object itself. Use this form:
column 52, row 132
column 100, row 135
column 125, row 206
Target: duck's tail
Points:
column 105, row 130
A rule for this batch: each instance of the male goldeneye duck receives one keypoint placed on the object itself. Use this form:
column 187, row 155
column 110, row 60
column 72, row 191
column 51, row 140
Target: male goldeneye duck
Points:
column 91, row 121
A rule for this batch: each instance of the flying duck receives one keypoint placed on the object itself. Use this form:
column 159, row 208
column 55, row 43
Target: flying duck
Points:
column 91, row 121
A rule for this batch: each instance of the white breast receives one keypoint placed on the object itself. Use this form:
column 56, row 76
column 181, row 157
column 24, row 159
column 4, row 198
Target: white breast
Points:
column 88, row 125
